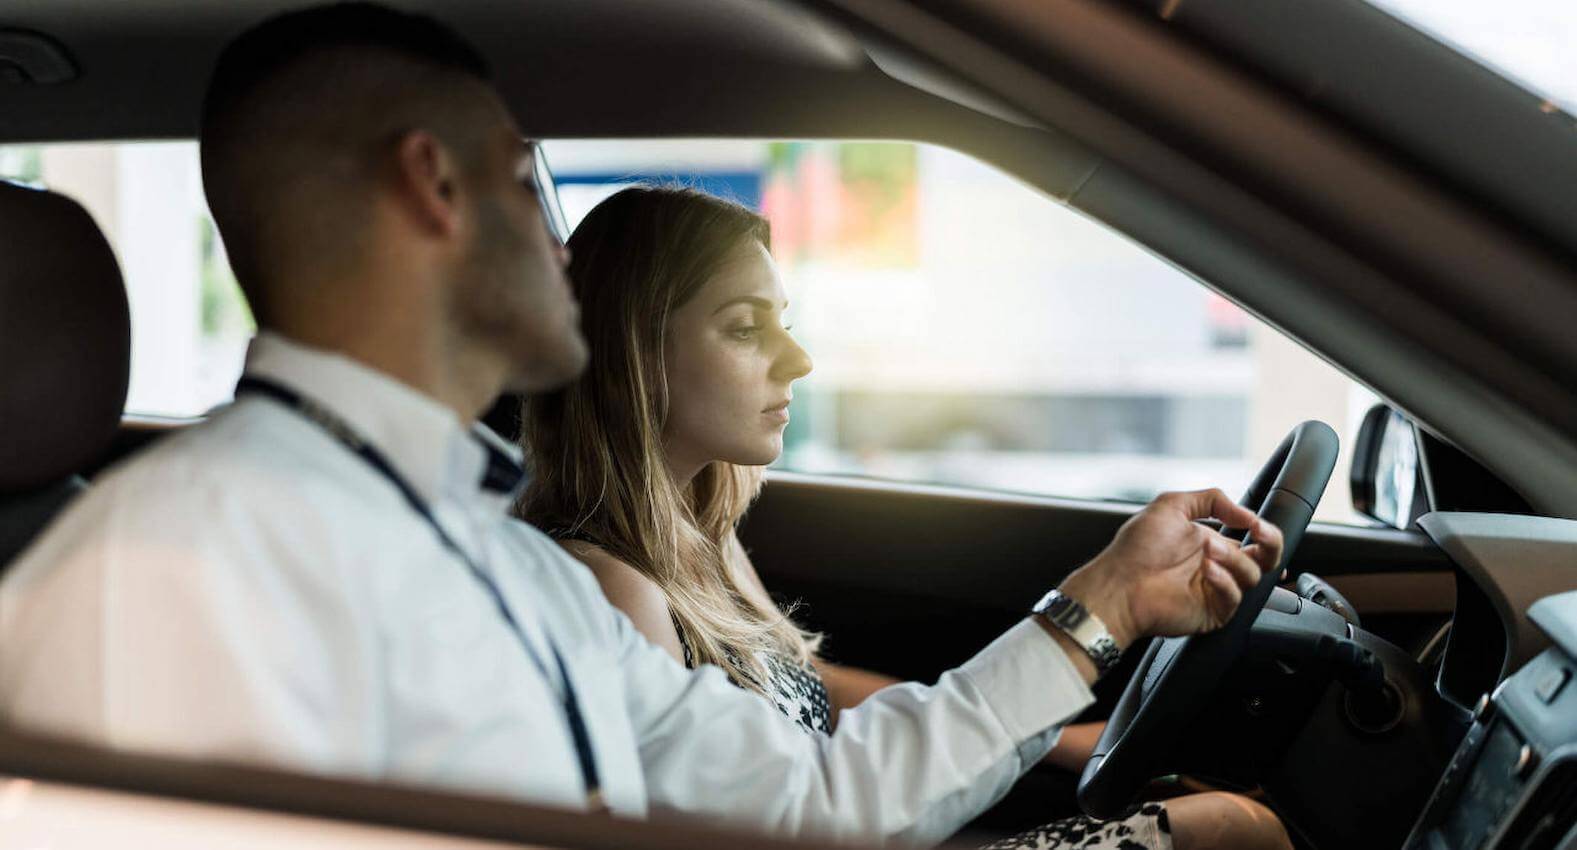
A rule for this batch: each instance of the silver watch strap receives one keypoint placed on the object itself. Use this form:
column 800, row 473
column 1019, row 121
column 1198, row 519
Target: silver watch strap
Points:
column 1084, row 628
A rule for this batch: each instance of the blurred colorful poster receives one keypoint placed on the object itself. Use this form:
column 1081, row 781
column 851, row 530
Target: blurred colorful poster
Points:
column 851, row 204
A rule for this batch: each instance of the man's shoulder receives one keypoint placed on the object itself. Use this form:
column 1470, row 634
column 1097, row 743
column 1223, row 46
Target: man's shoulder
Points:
column 236, row 452
column 233, row 471
column 541, row 552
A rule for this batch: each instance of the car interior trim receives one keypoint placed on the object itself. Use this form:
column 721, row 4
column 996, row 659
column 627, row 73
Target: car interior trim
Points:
column 55, row 760
column 1513, row 561
column 1387, row 79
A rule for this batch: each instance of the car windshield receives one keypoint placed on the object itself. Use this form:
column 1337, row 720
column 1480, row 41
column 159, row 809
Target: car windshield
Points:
column 1529, row 42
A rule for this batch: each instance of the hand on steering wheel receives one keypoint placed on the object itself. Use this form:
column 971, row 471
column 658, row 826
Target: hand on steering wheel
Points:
column 1165, row 574
column 1178, row 593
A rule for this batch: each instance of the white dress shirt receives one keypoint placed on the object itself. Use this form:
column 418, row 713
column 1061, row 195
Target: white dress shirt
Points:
column 250, row 590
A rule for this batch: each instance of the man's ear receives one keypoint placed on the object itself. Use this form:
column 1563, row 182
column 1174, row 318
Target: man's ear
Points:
column 428, row 182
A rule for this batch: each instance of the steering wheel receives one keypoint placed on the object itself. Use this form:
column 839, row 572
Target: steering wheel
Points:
column 1177, row 676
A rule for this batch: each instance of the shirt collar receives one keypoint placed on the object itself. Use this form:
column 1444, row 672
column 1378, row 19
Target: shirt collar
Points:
column 421, row 438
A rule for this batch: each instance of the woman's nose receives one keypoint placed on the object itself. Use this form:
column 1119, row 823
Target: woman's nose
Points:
column 794, row 362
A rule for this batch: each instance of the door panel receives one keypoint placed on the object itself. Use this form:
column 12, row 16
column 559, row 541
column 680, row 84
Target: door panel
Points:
column 911, row 580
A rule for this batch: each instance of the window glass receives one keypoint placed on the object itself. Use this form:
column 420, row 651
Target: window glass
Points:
column 189, row 323
column 968, row 330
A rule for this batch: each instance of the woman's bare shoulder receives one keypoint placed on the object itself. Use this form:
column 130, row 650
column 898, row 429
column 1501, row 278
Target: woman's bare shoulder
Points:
column 616, row 577
column 630, row 591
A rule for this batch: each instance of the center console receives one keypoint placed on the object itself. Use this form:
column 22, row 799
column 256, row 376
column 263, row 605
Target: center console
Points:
column 1512, row 784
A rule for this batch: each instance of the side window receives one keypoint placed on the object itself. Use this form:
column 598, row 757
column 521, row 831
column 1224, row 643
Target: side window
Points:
column 968, row 330
column 189, row 323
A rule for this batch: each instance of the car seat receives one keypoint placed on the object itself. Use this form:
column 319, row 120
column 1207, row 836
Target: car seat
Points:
column 65, row 357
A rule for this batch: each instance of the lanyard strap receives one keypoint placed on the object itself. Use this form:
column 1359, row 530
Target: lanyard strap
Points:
column 346, row 436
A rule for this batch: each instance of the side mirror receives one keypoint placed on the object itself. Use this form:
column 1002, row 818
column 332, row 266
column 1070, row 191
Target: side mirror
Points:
column 1387, row 483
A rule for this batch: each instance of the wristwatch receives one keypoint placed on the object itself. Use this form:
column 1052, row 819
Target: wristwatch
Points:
column 1084, row 628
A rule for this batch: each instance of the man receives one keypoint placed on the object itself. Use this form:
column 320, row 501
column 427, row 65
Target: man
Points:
column 323, row 575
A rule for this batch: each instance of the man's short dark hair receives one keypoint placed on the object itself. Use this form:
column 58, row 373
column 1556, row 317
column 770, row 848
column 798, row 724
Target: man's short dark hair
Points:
column 294, row 114
column 260, row 52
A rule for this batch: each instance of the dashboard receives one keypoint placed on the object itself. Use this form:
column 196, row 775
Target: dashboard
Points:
column 1513, row 781
column 1512, row 784
column 1505, row 564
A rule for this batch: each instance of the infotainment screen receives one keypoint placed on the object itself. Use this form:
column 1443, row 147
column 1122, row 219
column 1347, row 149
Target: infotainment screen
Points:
column 1489, row 792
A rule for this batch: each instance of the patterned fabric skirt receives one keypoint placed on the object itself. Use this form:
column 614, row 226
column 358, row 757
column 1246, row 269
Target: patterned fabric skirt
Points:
column 1146, row 829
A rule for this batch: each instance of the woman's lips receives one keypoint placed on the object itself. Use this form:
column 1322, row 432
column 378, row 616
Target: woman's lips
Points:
column 777, row 412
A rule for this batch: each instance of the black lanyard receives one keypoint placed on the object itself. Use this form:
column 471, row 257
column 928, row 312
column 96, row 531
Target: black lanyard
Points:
column 343, row 433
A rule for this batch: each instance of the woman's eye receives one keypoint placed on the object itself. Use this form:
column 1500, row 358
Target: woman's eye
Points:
column 745, row 334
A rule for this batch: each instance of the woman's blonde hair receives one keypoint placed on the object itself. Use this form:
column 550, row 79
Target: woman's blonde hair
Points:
column 595, row 447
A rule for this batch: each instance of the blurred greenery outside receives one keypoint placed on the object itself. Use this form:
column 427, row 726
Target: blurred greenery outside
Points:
column 224, row 308
column 22, row 163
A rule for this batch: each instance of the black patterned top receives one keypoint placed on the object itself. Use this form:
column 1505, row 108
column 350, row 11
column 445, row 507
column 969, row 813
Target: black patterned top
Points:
column 797, row 691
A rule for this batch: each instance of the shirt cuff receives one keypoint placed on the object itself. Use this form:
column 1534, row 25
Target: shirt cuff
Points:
column 1029, row 681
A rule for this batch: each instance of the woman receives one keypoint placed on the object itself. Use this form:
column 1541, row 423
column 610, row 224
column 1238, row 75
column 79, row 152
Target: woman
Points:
column 644, row 467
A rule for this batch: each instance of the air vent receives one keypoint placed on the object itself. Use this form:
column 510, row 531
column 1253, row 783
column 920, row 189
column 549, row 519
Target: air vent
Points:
column 27, row 57
column 1550, row 813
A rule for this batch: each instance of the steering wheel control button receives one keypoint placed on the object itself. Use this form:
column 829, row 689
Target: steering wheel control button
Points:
column 1284, row 601
column 1550, row 684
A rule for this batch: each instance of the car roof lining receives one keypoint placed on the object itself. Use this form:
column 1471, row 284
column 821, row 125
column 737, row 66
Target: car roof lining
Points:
column 669, row 67
column 717, row 69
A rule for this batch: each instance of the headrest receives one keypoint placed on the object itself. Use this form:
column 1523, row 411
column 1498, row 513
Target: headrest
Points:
column 65, row 339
